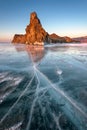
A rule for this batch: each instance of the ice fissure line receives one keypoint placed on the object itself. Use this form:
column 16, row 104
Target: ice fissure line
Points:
column 34, row 101
column 17, row 100
column 62, row 93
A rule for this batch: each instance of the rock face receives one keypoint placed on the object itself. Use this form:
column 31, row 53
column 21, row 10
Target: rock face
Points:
column 19, row 38
column 68, row 39
column 53, row 38
column 35, row 34
column 34, row 31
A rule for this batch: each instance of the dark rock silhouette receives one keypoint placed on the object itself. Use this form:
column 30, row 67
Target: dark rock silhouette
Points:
column 81, row 39
column 36, row 34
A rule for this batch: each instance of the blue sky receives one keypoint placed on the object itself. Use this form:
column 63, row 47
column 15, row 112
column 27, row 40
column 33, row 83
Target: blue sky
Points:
column 64, row 17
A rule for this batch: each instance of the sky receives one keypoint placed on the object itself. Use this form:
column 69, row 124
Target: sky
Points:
column 63, row 17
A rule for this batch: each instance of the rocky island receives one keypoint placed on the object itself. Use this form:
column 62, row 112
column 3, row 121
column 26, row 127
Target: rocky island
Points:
column 81, row 39
column 36, row 34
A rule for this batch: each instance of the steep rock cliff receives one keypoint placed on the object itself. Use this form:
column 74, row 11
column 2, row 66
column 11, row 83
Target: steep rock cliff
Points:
column 35, row 34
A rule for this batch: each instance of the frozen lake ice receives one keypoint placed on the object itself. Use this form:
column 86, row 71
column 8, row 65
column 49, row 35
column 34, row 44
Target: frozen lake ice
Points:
column 43, row 88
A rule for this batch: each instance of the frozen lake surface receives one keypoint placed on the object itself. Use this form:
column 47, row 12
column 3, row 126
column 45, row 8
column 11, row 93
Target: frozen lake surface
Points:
column 43, row 88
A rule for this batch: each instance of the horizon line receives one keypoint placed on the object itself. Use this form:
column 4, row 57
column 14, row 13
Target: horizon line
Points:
column 9, row 40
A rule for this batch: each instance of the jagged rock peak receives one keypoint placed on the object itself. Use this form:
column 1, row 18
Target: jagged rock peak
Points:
column 34, row 18
column 35, row 33
column 33, row 15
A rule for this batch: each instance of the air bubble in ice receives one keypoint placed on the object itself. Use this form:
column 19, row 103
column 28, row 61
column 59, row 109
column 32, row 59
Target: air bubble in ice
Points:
column 59, row 72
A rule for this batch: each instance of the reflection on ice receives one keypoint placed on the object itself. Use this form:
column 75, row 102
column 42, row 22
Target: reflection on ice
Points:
column 36, row 52
column 43, row 88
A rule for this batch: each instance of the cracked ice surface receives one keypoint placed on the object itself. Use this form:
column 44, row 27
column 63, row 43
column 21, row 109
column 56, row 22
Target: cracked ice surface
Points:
column 43, row 88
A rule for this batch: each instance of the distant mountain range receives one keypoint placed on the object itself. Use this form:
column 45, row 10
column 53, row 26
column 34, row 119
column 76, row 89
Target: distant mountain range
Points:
column 81, row 39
